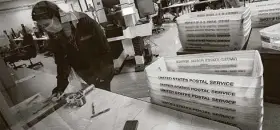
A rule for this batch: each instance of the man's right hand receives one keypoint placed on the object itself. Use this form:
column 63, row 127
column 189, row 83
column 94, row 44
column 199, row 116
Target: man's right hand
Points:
column 56, row 94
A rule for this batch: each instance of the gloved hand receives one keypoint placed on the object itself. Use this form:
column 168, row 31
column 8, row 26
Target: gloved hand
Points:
column 56, row 94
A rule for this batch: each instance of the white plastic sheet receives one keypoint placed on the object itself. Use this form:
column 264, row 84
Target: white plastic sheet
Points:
column 234, row 98
column 270, row 37
column 226, row 29
column 238, row 64
column 265, row 13
column 244, row 122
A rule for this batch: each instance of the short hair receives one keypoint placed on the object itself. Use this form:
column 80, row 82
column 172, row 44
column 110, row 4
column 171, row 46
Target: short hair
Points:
column 45, row 10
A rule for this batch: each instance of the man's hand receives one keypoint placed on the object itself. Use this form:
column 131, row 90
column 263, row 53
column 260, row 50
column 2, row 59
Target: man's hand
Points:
column 56, row 94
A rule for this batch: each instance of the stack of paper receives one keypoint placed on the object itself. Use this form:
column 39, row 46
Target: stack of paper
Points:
column 270, row 37
column 265, row 13
column 224, row 86
column 221, row 30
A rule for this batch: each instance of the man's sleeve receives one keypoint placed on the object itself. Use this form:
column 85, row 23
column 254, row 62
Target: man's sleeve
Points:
column 103, row 51
column 63, row 68
column 104, row 48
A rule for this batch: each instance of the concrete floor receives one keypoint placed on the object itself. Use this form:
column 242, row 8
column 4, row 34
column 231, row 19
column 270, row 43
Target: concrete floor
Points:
column 134, row 84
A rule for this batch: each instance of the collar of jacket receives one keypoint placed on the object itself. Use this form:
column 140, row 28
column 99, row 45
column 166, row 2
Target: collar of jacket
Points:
column 70, row 16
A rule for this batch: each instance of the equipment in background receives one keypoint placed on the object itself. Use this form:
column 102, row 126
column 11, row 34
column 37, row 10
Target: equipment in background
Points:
column 232, row 3
column 158, row 20
column 200, row 7
column 145, row 7
column 13, row 33
column 11, row 55
column 217, row 5
column 120, row 19
column 12, row 44
column 29, row 49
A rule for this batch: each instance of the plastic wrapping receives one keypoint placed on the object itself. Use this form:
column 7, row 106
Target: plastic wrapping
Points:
column 158, row 71
column 270, row 37
column 221, row 86
column 215, row 100
column 207, row 30
column 239, row 64
column 240, row 120
column 265, row 13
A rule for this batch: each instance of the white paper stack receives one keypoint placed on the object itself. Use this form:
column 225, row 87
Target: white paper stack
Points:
column 223, row 86
column 265, row 13
column 221, row 30
column 270, row 37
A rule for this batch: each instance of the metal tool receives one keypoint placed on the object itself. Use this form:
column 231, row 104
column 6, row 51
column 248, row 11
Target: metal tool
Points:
column 76, row 99
column 99, row 113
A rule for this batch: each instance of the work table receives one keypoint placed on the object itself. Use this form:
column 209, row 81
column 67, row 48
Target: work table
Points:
column 122, row 108
column 150, row 116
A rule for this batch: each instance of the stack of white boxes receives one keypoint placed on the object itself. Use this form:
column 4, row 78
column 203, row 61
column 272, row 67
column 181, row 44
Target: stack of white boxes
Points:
column 219, row 30
column 224, row 86
column 270, row 37
column 265, row 13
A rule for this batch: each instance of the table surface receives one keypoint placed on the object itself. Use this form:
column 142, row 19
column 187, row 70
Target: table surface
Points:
column 150, row 116
column 42, row 83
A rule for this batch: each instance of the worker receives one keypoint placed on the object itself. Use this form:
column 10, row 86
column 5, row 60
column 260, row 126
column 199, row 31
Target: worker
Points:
column 77, row 42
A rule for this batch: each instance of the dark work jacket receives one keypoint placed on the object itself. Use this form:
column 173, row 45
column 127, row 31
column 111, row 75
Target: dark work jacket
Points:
column 90, row 52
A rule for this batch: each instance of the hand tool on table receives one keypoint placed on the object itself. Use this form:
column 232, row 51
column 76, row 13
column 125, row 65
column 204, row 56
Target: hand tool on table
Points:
column 76, row 99
column 99, row 113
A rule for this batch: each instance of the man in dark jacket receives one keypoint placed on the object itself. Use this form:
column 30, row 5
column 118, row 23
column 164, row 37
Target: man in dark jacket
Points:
column 77, row 41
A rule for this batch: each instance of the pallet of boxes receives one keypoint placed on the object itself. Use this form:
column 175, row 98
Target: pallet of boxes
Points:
column 217, row 30
column 265, row 13
column 270, row 37
column 223, row 86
